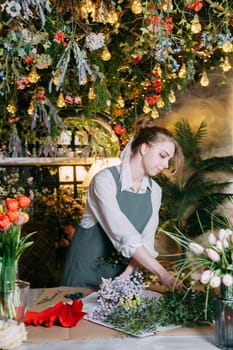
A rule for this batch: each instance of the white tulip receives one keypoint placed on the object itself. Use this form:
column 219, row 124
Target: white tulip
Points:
column 227, row 280
column 222, row 234
column 212, row 239
column 206, row 276
column 225, row 243
column 215, row 281
column 196, row 248
column 213, row 255
column 196, row 275
column 219, row 244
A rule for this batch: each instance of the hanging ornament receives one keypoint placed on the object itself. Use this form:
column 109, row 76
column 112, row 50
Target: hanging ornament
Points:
column 154, row 113
column 195, row 25
column 91, row 94
column 226, row 66
column 204, row 79
column 146, row 108
column 106, row 54
column 33, row 76
column 136, row 7
column 121, row 102
column 60, row 100
column 183, row 71
column 172, row 97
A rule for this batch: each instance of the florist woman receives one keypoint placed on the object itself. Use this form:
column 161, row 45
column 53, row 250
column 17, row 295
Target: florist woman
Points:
column 117, row 231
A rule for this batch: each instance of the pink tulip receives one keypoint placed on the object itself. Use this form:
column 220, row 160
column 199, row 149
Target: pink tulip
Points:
column 219, row 244
column 213, row 255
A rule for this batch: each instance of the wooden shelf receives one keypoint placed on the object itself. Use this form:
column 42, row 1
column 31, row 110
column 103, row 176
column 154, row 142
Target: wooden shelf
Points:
column 45, row 161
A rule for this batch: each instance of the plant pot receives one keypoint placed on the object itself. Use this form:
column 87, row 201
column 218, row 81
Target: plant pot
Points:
column 224, row 319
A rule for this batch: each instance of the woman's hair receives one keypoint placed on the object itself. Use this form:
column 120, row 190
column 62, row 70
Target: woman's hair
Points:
column 146, row 131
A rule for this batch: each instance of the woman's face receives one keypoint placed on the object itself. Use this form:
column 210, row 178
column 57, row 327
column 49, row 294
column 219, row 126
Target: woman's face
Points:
column 156, row 156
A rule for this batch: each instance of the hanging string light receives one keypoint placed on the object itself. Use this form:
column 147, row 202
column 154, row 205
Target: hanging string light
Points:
column 106, row 54
column 91, row 94
column 154, row 113
column 33, row 76
column 183, row 71
column 196, row 25
column 226, row 66
column 172, row 97
column 60, row 100
column 204, row 79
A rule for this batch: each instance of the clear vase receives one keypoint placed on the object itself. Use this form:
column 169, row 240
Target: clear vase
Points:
column 224, row 319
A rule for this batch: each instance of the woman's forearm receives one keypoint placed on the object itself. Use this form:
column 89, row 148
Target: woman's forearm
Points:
column 143, row 257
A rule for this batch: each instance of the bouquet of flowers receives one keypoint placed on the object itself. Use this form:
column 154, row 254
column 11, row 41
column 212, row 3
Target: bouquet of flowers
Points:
column 208, row 265
column 12, row 245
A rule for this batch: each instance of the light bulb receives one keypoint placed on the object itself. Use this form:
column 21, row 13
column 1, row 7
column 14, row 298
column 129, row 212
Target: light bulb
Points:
column 11, row 108
column 57, row 77
column 60, row 100
column 91, row 94
column 160, row 103
column 195, row 25
column 204, row 79
column 172, row 97
column 146, row 108
column 121, row 102
column 136, row 7
column 227, row 47
column 226, row 66
column 154, row 113
column 33, row 76
column 183, row 71
column 106, row 54
column 31, row 108
column 112, row 17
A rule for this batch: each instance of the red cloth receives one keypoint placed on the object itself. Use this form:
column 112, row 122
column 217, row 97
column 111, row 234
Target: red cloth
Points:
column 62, row 314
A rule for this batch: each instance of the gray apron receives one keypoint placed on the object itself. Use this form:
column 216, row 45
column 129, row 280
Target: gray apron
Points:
column 91, row 254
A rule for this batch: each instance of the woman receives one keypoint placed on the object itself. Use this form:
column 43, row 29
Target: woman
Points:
column 117, row 231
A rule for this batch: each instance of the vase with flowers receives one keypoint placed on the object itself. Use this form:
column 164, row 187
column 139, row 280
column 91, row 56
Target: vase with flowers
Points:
column 12, row 244
column 209, row 266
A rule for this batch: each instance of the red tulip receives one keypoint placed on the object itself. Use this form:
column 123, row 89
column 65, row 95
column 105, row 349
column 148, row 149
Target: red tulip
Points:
column 13, row 215
column 24, row 201
column 12, row 204
column 4, row 221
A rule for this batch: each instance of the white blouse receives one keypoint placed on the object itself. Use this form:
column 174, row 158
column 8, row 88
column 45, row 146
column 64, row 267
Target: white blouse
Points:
column 102, row 207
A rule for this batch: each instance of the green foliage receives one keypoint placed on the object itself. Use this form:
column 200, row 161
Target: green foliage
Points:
column 172, row 308
column 198, row 189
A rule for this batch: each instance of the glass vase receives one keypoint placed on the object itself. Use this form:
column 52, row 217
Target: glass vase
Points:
column 224, row 319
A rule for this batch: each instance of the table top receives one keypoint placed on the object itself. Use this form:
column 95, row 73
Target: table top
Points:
column 88, row 335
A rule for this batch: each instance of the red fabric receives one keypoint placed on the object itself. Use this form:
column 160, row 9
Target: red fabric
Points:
column 61, row 314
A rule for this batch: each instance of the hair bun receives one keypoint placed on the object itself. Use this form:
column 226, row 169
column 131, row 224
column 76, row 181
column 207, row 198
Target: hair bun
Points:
column 145, row 121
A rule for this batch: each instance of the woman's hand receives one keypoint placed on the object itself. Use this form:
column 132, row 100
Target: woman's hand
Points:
column 172, row 282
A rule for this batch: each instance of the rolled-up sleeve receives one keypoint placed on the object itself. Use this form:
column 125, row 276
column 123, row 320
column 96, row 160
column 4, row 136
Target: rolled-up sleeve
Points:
column 103, row 203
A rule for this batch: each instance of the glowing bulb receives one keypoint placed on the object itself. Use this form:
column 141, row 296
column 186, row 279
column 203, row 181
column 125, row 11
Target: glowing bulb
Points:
column 183, row 71
column 33, row 76
column 121, row 102
column 91, row 94
column 146, row 108
column 60, row 100
column 204, row 79
column 11, row 108
column 172, row 97
column 227, row 47
column 112, row 17
column 106, row 54
column 136, row 7
column 154, row 113
column 31, row 108
column 226, row 66
column 160, row 103
column 56, row 77
column 196, row 25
